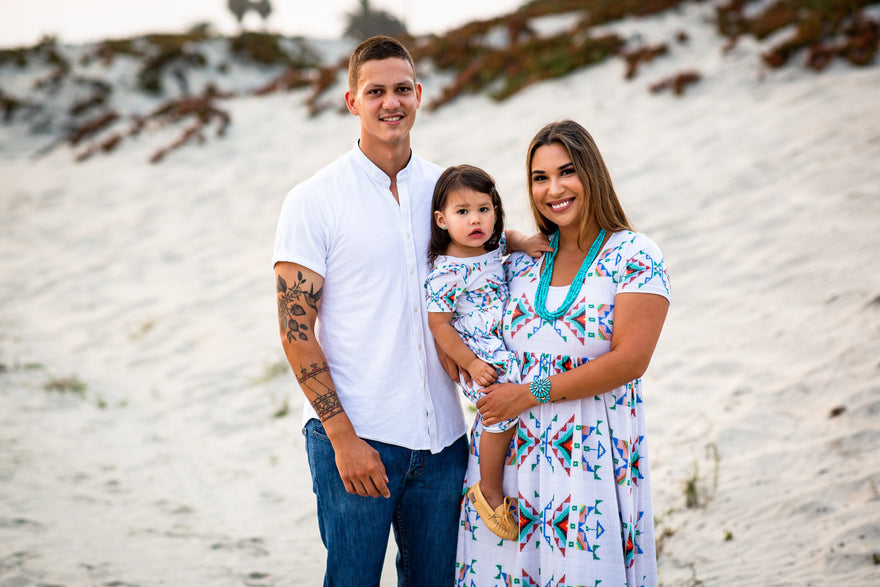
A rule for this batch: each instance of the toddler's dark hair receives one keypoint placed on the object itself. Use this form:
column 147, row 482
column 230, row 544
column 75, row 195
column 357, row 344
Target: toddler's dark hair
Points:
column 455, row 178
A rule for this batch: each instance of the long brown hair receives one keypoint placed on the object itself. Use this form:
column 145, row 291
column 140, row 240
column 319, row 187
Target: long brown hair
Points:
column 602, row 202
column 455, row 178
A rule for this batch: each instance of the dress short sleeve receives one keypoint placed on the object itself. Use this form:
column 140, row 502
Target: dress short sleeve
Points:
column 643, row 268
column 442, row 287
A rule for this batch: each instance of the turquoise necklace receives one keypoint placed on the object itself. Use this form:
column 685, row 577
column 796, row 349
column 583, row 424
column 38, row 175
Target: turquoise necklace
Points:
column 574, row 289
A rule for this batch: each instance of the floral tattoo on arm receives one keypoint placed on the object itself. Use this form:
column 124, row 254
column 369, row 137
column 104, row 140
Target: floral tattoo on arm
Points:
column 290, row 306
column 291, row 301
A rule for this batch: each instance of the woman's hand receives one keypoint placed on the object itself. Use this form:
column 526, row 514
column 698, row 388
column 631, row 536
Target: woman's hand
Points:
column 504, row 401
column 482, row 372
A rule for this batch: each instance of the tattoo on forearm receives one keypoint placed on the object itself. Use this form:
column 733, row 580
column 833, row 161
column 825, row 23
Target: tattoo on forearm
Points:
column 326, row 402
column 290, row 309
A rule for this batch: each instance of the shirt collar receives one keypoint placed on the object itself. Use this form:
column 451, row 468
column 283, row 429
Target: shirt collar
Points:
column 373, row 171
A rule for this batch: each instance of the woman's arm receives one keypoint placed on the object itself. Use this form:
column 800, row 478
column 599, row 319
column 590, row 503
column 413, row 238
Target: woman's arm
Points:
column 638, row 321
column 450, row 342
column 299, row 298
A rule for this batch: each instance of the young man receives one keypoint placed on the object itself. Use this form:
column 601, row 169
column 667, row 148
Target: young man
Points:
column 383, row 424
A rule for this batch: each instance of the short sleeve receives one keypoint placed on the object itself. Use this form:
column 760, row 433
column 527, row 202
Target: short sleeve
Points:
column 518, row 264
column 502, row 244
column 442, row 287
column 302, row 233
column 644, row 268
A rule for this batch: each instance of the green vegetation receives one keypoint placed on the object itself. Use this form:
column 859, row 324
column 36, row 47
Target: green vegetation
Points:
column 282, row 410
column 262, row 48
column 497, row 57
column 169, row 50
column 70, row 384
column 699, row 491
column 272, row 371
column 825, row 28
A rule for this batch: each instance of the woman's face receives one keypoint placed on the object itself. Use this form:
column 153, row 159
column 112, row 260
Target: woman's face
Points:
column 557, row 190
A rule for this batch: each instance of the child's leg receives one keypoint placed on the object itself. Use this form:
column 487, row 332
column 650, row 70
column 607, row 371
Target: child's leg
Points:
column 493, row 450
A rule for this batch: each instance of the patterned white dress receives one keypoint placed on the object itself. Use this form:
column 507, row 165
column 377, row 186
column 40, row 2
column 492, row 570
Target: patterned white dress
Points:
column 474, row 290
column 580, row 467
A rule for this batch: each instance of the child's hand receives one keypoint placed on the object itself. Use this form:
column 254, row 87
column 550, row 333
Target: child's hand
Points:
column 482, row 372
column 536, row 244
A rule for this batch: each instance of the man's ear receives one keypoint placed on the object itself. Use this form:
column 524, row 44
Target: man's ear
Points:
column 349, row 103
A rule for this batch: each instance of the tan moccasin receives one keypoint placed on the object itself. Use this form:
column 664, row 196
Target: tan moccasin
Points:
column 500, row 521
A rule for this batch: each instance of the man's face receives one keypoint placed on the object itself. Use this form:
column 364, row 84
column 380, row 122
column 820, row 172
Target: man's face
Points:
column 386, row 100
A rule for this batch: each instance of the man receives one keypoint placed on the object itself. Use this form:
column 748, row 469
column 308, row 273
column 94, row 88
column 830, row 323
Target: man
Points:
column 383, row 424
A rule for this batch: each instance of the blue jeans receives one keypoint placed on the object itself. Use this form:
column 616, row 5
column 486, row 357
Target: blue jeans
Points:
column 423, row 510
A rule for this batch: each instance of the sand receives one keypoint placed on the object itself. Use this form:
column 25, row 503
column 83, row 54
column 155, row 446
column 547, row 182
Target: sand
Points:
column 180, row 461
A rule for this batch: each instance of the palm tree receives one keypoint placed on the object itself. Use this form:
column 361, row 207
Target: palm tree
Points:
column 368, row 22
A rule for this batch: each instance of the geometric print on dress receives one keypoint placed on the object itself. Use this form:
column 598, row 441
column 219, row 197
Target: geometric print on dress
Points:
column 552, row 443
column 524, row 444
column 592, row 449
column 642, row 268
column 627, row 460
column 529, row 520
column 443, row 299
column 538, row 365
column 628, row 399
column 507, row 580
column 552, row 522
column 603, row 320
column 556, row 531
column 523, row 317
column 575, row 320
column 631, row 535
column 561, row 445
column 465, row 569
column 588, row 528
column 633, row 462
column 469, row 523
column 517, row 265
column 529, row 581
column 605, row 265
column 620, row 457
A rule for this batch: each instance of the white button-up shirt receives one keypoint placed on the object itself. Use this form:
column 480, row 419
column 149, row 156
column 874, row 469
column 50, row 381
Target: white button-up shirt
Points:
column 344, row 224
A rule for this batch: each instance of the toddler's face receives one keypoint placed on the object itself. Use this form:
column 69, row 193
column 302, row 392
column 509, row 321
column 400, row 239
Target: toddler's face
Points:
column 469, row 217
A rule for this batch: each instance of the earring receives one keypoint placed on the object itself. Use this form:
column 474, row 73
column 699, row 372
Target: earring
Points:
column 443, row 227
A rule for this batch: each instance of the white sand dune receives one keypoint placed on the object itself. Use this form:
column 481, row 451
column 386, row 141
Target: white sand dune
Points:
column 152, row 285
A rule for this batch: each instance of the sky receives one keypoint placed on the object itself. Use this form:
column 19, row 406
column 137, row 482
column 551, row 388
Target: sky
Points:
column 24, row 22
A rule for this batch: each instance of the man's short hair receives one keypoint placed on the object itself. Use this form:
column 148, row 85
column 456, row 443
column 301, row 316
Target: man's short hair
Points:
column 375, row 48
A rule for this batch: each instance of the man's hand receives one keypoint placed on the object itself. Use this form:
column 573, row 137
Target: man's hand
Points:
column 360, row 467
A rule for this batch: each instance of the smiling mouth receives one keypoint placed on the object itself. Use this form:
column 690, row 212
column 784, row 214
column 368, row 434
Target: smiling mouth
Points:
column 560, row 205
column 395, row 118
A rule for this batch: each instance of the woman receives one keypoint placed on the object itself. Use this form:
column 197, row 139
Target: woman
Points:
column 583, row 321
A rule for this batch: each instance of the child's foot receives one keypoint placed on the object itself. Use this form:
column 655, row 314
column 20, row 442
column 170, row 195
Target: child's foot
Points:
column 500, row 521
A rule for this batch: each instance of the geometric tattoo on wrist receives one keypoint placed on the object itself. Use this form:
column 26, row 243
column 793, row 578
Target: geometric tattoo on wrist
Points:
column 326, row 402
